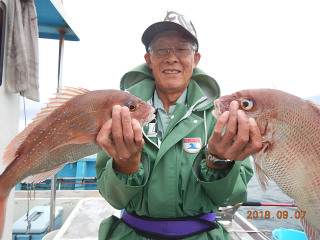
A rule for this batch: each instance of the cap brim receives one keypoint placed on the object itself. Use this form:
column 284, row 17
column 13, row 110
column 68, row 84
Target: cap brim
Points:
column 158, row 27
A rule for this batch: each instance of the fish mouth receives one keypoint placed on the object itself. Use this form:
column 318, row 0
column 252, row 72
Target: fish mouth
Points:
column 217, row 111
column 149, row 117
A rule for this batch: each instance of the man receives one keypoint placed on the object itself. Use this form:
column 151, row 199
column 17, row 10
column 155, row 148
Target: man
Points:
column 172, row 175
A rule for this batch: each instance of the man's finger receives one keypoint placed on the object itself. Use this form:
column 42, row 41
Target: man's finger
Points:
column 218, row 129
column 103, row 138
column 116, row 120
column 138, row 138
column 255, row 134
column 242, row 137
column 128, row 132
column 255, row 143
column 117, row 132
column 232, row 126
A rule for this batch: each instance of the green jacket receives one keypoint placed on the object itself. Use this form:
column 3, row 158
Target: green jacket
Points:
column 172, row 182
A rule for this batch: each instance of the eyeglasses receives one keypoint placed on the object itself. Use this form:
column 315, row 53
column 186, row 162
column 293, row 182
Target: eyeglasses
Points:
column 179, row 49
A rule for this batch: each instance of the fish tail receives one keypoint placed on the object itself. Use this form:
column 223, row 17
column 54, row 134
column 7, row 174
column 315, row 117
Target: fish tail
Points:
column 3, row 203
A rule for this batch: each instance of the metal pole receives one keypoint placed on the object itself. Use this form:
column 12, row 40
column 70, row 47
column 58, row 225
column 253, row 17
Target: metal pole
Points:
column 54, row 177
column 61, row 49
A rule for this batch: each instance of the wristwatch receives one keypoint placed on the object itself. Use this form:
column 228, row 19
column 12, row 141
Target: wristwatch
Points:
column 215, row 160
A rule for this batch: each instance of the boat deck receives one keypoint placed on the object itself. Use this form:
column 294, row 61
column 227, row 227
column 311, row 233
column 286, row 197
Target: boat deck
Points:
column 241, row 229
column 238, row 227
column 86, row 209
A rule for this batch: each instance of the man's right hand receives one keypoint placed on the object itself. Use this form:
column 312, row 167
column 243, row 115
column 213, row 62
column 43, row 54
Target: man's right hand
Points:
column 126, row 143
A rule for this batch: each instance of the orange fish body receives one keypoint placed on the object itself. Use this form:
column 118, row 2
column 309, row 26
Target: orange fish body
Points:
column 290, row 128
column 64, row 131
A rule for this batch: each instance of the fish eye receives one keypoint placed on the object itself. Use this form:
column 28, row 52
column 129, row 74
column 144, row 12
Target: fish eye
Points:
column 131, row 107
column 247, row 104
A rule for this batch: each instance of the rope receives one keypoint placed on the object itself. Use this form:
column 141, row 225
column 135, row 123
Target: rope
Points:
column 24, row 109
column 29, row 189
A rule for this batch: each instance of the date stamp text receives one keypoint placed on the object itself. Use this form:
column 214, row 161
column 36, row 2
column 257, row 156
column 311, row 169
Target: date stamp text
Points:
column 279, row 215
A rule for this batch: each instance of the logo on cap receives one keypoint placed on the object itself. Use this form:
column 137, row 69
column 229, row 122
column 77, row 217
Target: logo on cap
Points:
column 181, row 20
column 192, row 145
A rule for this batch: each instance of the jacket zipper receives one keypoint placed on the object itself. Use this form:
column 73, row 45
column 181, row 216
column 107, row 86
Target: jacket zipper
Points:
column 188, row 113
column 158, row 146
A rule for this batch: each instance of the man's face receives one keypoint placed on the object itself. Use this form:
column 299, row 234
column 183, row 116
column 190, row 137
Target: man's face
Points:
column 172, row 74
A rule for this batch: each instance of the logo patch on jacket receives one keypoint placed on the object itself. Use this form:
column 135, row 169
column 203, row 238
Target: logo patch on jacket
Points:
column 192, row 145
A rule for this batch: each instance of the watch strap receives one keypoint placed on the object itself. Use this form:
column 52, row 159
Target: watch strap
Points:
column 216, row 160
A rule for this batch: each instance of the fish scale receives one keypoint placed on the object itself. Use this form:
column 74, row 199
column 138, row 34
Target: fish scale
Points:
column 65, row 131
column 290, row 130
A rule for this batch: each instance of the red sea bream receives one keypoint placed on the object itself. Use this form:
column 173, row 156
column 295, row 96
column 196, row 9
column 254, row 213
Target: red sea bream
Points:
column 290, row 127
column 65, row 131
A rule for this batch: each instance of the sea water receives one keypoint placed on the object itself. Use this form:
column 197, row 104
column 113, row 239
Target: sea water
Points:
column 280, row 217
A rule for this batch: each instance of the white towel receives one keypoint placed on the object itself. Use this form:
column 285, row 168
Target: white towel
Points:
column 22, row 70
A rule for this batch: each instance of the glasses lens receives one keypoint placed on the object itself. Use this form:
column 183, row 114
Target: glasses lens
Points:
column 182, row 49
column 159, row 50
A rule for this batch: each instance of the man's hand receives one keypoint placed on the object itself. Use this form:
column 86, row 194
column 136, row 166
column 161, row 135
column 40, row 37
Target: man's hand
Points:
column 241, row 138
column 126, row 142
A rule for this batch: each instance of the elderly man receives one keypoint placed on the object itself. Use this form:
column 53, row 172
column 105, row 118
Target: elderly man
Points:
column 173, row 174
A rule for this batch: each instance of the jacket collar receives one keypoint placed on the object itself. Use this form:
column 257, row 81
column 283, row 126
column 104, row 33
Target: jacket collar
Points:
column 140, row 82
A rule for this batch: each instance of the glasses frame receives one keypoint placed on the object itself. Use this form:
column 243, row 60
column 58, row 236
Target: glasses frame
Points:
column 193, row 49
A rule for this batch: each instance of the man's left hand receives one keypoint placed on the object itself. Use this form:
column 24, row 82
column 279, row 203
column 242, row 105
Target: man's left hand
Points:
column 241, row 138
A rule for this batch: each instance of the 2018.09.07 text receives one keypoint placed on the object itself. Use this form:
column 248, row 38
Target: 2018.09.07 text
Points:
column 279, row 215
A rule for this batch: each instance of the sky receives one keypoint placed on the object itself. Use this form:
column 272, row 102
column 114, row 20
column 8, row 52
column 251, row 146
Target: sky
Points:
column 243, row 44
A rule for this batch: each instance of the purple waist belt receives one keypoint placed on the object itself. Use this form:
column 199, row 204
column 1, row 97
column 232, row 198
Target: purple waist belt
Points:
column 170, row 228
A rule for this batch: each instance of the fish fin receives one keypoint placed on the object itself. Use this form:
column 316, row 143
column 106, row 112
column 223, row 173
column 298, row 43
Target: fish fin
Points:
column 42, row 176
column 262, row 177
column 11, row 151
column 315, row 106
column 90, row 138
column 68, row 93
column 265, row 145
column 309, row 230
column 72, row 90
